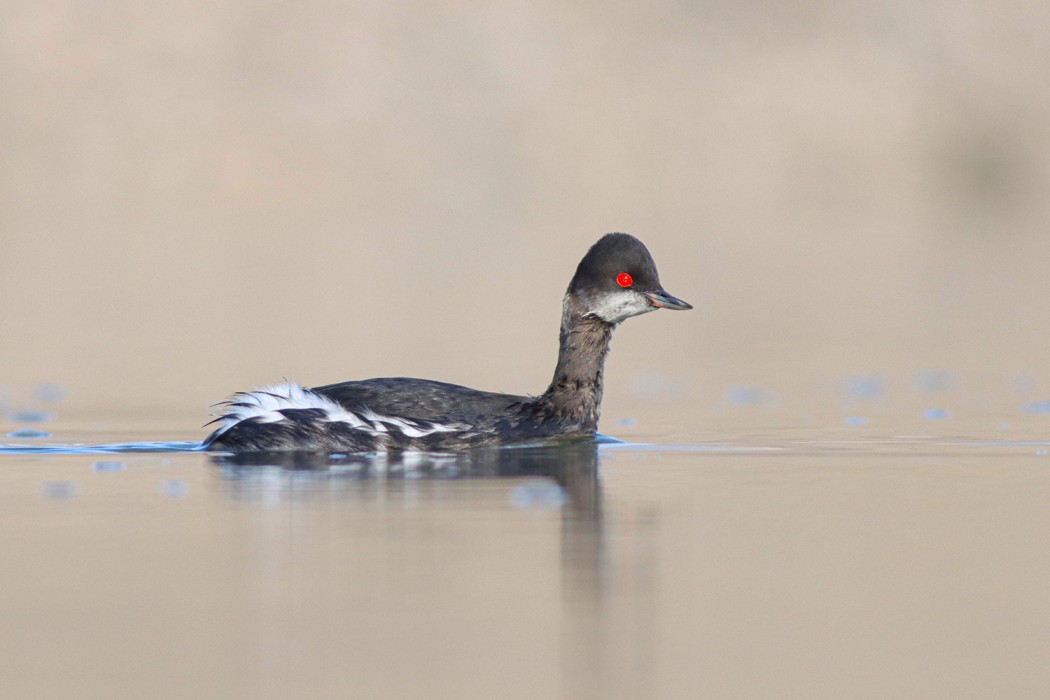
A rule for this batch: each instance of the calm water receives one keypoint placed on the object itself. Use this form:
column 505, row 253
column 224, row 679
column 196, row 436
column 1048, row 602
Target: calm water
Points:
column 879, row 550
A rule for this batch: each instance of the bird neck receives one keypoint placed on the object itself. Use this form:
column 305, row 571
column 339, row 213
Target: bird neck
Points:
column 575, row 393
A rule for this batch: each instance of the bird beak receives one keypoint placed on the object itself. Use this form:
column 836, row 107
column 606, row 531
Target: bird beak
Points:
column 663, row 300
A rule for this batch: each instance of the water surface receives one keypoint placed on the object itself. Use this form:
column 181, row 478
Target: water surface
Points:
column 793, row 561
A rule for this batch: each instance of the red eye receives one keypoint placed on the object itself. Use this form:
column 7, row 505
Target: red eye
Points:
column 624, row 279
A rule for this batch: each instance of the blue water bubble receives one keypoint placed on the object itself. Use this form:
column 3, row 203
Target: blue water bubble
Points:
column 627, row 422
column 174, row 488
column 60, row 490
column 108, row 466
column 1037, row 407
column 749, row 396
column 1025, row 384
column 865, row 387
column 855, row 420
column 29, row 433
column 538, row 494
column 935, row 414
column 49, row 393
column 30, row 416
column 934, row 381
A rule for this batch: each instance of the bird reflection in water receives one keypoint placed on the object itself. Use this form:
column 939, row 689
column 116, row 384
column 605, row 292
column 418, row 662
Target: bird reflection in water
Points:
column 596, row 573
column 571, row 464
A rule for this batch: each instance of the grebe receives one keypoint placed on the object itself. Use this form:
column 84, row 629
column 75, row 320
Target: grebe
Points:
column 615, row 280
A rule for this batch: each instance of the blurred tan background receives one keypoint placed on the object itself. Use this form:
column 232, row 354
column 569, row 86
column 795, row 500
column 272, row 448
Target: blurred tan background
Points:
column 202, row 197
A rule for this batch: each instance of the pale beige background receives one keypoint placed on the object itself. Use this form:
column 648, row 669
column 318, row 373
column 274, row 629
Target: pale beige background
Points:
column 197, row 197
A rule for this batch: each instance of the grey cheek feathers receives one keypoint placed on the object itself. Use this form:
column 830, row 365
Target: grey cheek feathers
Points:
column 619, row 306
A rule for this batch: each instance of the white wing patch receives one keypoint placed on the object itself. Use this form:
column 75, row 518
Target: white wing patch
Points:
column 265, row 406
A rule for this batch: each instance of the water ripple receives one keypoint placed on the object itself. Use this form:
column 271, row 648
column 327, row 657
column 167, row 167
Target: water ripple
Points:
column 115, row 448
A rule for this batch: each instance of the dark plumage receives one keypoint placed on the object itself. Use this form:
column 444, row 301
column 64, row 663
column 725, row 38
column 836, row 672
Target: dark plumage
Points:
column 615, row 280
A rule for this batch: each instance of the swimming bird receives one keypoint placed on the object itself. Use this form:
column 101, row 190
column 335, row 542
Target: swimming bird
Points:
column 615, row 280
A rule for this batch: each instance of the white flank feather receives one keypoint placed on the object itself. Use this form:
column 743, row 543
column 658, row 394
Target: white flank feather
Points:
column 264, row 405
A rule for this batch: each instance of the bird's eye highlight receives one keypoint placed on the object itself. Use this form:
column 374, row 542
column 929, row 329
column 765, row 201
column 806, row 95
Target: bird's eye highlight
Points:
column 624, row 279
